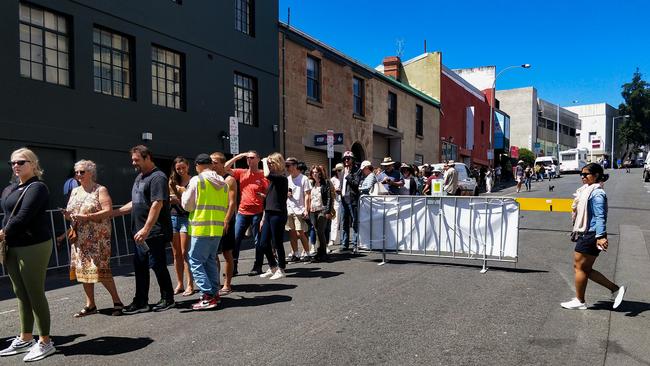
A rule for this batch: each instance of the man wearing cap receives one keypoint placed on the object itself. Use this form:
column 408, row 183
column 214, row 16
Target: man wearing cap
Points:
column 450, row 180
column 369, row 179
column 206, row 199
column 349, row 201
column 389, row 177
column 336, row 183
column 299, row 190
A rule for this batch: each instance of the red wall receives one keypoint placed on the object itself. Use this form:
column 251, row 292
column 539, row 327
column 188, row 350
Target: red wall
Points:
column 455, row 99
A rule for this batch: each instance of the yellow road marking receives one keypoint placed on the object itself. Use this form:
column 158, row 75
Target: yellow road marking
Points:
column 545, row 204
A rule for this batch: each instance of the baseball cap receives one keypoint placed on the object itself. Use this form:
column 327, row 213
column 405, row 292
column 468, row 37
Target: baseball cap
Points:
column 202, row 159
column 366, row 163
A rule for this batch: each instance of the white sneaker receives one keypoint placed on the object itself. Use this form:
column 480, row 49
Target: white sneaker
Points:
column 278, row 274
column 17, row 346
column 269, row 272
column 619, row 297
column 39, row 351
column 574, row 304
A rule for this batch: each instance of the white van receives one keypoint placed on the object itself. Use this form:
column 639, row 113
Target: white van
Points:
column 466, row 183
column 573, row 160
column 546, row 162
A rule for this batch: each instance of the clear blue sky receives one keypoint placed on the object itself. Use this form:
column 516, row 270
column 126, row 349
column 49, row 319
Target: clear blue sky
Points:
column 580, row 50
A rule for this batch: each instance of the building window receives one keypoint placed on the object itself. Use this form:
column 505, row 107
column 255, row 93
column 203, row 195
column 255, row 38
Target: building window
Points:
column 245, row 16
column 482, row 127
column 166, row 78
column 419, row 123
column 359, row 96
column 591, row 136
column 419, row 159
column 246, row 99
column 313, row 78
column 449, row 151
column 44, row 49
column 551, row 125
column 392, row 110
column 572, row 132
column 111, row 63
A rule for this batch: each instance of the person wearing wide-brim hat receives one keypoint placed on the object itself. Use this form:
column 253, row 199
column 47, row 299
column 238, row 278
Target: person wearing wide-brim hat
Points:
column 450, row 179
column 389, row 177
column 351, row 178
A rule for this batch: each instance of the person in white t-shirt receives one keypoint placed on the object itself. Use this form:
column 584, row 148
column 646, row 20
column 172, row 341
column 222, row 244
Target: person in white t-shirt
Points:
column 299, row 190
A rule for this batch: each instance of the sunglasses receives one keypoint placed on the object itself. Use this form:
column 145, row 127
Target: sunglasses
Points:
column 250, row 157
column 18, row 162
column 584, row 175
column 80, row 172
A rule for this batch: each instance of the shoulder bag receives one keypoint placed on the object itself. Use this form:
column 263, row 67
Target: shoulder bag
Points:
column 3, row 242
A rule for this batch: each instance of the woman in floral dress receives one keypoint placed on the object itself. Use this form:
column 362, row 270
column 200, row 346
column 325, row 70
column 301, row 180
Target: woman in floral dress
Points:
column 89, row 208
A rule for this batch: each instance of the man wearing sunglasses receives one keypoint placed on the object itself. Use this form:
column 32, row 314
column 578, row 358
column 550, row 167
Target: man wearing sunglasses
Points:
column 349, row 201
column 252, row 190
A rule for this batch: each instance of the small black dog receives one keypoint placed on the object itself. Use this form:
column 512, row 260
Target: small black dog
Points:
column 550, row 188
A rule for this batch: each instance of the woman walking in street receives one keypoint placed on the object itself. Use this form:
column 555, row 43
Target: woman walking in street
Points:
column 590, row 235
column 519, row 174
column 179, row 179
column 275, row 216
column 528, row 177
column 26, row 231
column 89, row 208
column 320, row 205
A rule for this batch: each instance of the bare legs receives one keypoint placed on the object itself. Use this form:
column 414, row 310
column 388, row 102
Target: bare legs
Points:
column 179, row 262
column 228, row 268
column 89, row 289
column 582, row 264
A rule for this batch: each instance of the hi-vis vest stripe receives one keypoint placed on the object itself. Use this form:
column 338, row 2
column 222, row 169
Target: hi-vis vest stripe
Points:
column 211, row 206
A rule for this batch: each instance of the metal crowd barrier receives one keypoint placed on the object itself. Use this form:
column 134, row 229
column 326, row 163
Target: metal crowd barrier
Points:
column 465, row 228
column 121, row 239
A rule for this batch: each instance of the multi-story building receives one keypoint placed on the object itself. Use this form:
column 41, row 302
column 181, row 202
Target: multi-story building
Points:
column 88, row 79
column 534, row 122
column 371, row 114
column 465, row 110
column 595, row 133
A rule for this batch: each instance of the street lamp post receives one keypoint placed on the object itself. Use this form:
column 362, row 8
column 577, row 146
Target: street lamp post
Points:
column 614, row 134
column 494, row 91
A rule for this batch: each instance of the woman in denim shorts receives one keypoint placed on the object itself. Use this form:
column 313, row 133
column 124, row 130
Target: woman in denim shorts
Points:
column 178, row 181
column 590, row 235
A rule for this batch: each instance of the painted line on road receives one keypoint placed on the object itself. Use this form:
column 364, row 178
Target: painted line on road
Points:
column 7, row 312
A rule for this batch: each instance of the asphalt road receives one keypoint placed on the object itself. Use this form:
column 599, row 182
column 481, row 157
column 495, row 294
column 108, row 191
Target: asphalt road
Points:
column 412, row 310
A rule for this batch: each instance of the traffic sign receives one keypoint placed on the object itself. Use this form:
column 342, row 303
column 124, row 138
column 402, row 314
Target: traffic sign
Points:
column 321, row 140
column 330, row 144
column 234, row 144
column 234, row 126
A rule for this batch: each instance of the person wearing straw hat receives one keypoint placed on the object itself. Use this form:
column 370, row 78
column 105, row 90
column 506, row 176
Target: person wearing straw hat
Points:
column 450, row 180
column 389, row 177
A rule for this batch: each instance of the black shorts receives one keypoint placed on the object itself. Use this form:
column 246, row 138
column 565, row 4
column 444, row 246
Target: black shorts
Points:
column 586, row 244
column 227, row 241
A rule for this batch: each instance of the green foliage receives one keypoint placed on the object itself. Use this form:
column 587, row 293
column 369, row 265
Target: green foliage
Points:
column 636, row 129
column 527, row 156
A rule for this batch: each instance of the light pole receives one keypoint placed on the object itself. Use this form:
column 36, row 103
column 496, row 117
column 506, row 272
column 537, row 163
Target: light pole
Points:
column 613, row 134
column 494, row 91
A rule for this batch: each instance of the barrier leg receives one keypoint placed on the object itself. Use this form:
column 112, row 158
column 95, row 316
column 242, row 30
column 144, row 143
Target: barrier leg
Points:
column 485, row 240
column 383, row 241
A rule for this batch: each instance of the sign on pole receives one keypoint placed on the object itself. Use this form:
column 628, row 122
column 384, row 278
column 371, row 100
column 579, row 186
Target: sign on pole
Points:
column 330, row 144
column 490, row 154
column 234, row 135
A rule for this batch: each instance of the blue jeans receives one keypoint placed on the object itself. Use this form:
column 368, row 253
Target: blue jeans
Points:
column 272, row 237
column 156, row 259
column 350, row 221
column 242, row 222
column 203, row 263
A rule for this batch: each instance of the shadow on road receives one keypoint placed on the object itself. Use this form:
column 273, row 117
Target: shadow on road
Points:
column 632, row 308
column 267, row 287
column 311, row 272
column 477, row 266
column 100, row 346
column 234, row 301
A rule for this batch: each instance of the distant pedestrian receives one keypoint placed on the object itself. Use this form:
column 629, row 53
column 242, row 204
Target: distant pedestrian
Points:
column 369, row 178
column 390, row 177
column 179, row 179
column 590, row 234
column 450, row 178
column 528, row 177
column 349, row 202
column 151, row 226
column 26, row 230
column 321, row 207
column 519, row 174
column 488, row 180
column 409, row 187
column 538, row 173
column 275, row 217
column 206, row 199
column 627, row 164
column 335, row 237
column 497, row 174
column 299, row 191
column 552, row 171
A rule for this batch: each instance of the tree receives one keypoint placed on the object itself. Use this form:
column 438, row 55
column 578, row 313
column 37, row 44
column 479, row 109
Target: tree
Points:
column 527, row 156
column 635, row 130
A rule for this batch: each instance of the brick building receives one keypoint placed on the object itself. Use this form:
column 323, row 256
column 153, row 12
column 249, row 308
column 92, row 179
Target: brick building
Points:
column 322, row 89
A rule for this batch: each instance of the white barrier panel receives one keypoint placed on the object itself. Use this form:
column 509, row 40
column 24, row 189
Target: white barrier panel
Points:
column 448, row 226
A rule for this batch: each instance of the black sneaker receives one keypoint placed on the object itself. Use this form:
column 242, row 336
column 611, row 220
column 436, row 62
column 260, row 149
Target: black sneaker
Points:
column 134, row 308
column 292, row 258
column 305, row 258
column 163, row 305
column 234, row 270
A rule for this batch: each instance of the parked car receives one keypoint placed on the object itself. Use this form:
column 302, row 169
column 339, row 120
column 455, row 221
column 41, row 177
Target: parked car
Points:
column 466, row 182
column 546, row 162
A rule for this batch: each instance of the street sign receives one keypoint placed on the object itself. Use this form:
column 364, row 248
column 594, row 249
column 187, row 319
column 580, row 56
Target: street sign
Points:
column 234, row 126
column 538, row 148
column 234, row 135
column 330, row 144
column 321, row 140
column 490, row 154
column 514, row 152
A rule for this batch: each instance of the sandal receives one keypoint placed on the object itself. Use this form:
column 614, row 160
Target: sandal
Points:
column 178, row 290
column 189, row 292
column 86, row 311
column 224, row 292
column 117, row 309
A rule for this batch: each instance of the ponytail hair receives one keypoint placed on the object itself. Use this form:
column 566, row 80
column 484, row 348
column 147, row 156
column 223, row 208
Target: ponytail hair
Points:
column 598, row 171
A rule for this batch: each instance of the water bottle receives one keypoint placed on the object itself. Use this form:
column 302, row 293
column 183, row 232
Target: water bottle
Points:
column 144, row 246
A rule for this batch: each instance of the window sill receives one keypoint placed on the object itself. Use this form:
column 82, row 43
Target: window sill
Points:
column 358, row 116
column 421, row 137
column 314, row 103
column 393, row 128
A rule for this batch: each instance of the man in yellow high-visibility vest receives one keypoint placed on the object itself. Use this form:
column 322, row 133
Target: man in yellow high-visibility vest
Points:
column 206, row 199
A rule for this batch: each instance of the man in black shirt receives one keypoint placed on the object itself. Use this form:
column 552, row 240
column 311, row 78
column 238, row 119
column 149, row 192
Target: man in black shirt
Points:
column 152, row 230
